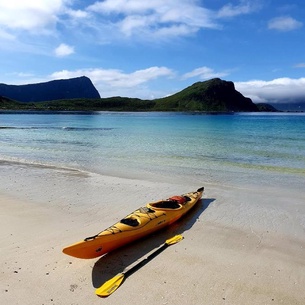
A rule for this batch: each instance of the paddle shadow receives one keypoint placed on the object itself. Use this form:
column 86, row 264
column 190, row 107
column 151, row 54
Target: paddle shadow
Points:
column 118, row 260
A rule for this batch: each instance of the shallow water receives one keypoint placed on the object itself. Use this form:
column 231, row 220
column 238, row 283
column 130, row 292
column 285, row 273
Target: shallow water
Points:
column 243, row 149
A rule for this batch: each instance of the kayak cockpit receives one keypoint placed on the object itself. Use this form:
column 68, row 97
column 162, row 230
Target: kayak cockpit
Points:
column 173, row 203
column 166, row 204
column 130, row 221
column 139, row 217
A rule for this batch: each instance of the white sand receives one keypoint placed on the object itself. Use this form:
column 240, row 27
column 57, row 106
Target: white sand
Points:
column 241, row 246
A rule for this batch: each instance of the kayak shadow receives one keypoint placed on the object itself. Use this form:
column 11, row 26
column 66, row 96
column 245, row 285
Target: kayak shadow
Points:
column 123, row 258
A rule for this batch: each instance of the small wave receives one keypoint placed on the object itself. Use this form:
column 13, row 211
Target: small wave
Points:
column 86, row 128
column 34, row 164
column 58, row 128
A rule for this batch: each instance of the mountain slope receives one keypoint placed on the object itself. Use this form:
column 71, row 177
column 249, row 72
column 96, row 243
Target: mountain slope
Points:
column 79, row 87
column 211, row 95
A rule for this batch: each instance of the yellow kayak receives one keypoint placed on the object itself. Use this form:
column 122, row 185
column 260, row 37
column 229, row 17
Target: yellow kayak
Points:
column 144, row 221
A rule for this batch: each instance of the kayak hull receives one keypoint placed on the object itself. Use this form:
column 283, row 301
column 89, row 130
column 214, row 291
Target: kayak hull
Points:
column 140, row 223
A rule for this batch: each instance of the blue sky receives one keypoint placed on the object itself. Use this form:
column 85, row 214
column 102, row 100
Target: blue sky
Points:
column 151, row 49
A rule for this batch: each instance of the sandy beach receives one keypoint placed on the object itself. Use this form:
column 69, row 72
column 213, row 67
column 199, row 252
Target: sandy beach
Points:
column 241, row 245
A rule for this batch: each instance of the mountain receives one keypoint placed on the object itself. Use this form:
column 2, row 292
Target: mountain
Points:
column 214, row 95
column 211, row 95
column 292, row 106
column 266, row 107
column 80, row 87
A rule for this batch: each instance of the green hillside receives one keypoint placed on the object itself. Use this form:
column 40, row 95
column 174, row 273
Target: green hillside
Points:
column 214, row 95
column 8, row 104
column 211, row 95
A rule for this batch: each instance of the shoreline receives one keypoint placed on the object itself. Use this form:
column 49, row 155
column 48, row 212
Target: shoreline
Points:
column 239, row 247
column 273, row 179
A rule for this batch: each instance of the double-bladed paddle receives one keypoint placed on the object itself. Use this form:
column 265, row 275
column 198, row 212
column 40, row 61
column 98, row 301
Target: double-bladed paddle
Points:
column 113, row 284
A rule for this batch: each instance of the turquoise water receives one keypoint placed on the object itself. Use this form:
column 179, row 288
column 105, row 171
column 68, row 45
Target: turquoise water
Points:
column 241, row 148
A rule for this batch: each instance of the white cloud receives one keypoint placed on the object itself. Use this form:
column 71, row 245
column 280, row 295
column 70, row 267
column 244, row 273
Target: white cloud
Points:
column 113, row 19
column 77, row 13
column 204, row 73
column 63, row 50
column 279, row 90
column 156, row 18
column 124, row 6
column 243, row 8
column 284, row 24
column 30, row 15
column 111, row 81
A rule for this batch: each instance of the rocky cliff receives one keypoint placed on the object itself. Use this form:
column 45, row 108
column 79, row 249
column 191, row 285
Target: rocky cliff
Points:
column 80, row 87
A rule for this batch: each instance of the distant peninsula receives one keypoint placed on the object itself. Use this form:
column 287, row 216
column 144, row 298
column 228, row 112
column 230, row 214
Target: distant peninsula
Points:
column 79, row 94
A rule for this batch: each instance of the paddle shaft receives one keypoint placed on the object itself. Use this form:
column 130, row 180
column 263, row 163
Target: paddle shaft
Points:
column 145, row 261
column 113, row 284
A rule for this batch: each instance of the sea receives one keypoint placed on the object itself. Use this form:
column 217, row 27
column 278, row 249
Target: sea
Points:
column 266, row 149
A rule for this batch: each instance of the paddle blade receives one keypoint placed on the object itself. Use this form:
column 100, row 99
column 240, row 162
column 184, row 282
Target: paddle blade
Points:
column 174, row 240
column 110, row 286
